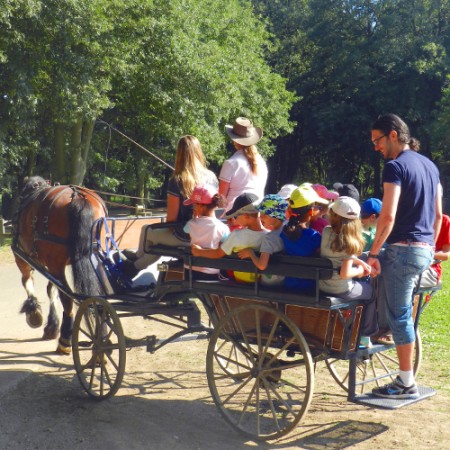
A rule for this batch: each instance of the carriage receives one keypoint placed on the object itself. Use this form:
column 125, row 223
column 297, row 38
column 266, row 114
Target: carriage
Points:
column 264, row 342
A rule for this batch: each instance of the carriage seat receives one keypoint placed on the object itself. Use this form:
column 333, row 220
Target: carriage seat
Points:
column 314, row 268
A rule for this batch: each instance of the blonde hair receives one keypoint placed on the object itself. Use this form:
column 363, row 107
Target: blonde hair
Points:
column 348, row 235
column 250, row 152
column 190, row 164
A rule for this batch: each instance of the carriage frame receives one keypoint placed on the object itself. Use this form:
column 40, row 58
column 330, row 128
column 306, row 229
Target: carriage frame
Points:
column 264, row 342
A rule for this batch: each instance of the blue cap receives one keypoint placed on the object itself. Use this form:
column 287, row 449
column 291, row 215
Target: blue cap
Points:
column 371, row 206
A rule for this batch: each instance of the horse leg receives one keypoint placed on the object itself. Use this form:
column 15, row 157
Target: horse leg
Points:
column 65, row 337
column 30, row 306
column 51, row 330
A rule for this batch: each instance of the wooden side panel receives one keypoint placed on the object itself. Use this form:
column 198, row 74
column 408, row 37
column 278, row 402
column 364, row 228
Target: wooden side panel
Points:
column 126, row 232
column 312, row 322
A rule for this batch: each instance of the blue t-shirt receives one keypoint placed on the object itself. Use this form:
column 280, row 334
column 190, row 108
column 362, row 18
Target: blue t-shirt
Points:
column 306, row 245
column 416, row 211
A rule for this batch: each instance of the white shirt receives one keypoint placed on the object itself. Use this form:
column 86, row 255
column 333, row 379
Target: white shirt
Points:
column 207, row 232
column 236, row 171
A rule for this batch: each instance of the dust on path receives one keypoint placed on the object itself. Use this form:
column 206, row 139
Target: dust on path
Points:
column 164, row 401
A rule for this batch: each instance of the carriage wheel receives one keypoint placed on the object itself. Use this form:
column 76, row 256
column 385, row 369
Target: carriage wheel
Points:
column 260, row 371
column 99, row 352
column 369, row 370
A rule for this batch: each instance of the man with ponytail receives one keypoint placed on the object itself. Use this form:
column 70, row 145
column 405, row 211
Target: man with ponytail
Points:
column 409, row 222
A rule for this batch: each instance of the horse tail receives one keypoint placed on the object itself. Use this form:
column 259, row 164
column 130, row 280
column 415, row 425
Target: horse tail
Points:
column 81, row 218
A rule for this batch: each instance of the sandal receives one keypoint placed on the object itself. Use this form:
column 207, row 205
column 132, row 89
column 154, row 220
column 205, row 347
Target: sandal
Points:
column 385, row 339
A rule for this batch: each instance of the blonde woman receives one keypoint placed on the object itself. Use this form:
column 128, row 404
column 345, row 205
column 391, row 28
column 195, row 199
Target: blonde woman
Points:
column 246, row 171
column 190, row 171
column 342, row 243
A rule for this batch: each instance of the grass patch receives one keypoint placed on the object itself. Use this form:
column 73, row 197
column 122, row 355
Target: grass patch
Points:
column 435, row 329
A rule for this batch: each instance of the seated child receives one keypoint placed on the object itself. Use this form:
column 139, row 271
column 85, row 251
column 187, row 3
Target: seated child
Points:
column 272, row 211
column 342, row 242
column 320, row 220
column 205, row 229
column 286, row 190
column 370, row 210
column 298, row 238
column 250, row 235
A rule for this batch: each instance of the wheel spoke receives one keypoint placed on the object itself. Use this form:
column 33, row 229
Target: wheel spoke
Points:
column 101, row 369
column 264, row 396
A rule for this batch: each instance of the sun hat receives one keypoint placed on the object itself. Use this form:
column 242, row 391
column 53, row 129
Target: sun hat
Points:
column 203, row 194
column 273, row 205
column 305, row 195
column 346, row 207
column 243, row 204
column 243, row 132
column 346, row 190
column 286, row 190
column 324, row 192
column 371, row 206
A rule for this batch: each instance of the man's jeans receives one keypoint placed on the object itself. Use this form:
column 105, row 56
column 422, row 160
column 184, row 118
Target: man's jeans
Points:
column 400, row 267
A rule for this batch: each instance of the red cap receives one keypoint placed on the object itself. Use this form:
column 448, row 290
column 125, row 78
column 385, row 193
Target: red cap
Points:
column 202, row 194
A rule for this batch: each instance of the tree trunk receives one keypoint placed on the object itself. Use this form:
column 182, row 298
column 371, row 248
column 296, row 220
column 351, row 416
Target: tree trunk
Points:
column 60, row 156
column 80, row 142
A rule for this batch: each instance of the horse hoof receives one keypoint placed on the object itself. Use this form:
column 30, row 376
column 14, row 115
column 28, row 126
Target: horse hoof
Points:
column 34, row 320
column 49, row 335
column 50, row 332
column 63, row 349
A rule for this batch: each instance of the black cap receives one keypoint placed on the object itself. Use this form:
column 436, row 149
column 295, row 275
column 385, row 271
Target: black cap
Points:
column 243, row 204
column 346, row 190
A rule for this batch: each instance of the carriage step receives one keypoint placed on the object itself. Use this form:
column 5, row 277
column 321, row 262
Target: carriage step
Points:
column 391, row 403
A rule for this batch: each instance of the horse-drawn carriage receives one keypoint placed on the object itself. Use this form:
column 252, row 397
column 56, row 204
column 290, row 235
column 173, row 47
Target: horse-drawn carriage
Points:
column 264, row 342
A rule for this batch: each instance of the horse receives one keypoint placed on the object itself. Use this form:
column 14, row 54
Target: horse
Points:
column 53, row 228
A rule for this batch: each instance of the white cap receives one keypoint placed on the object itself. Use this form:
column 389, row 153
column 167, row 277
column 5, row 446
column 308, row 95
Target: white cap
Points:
column 286, row 190
column 346, row 207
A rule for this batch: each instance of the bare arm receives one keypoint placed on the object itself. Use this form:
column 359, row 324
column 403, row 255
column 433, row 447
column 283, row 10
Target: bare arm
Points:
column 438, row 221
column 443, row 254
column 224, row 187
column 385, row 222
column 354, row 267
column 212, row 253
column 387, row 216
column 173, row 207
column 261, row 262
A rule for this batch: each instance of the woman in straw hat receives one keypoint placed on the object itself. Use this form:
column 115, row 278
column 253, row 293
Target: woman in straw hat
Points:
column 246, row 170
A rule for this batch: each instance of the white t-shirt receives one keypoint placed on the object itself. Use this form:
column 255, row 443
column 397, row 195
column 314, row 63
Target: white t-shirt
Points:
column 240, row 239
column 207, row 232
column 236, row 171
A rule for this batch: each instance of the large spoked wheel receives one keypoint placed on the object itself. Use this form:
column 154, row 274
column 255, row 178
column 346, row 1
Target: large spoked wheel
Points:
column 99, row 352
column 374, row 370
column 260, row 371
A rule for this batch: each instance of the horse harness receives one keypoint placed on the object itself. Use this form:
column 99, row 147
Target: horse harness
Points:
column 43, row 234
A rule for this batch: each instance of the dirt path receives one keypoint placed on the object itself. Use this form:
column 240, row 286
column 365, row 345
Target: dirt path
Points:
column 164, row 401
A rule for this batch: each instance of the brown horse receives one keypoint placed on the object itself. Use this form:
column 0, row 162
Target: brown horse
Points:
column 53, row 228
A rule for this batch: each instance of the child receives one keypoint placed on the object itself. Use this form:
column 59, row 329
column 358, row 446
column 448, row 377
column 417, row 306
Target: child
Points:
column 298, row 238
column 205, row 229
column 319, row 220
column 250, row 235
column 370, row 210
column 342, row 241
column 272, row 211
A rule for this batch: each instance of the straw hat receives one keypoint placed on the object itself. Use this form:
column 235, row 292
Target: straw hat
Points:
column 243, row 132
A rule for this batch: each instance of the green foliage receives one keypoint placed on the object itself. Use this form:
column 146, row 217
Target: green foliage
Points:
column 435, row 330
column 349, row 61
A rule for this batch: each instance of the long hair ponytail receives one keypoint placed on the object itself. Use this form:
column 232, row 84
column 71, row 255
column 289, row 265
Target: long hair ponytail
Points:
column 250, row 154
